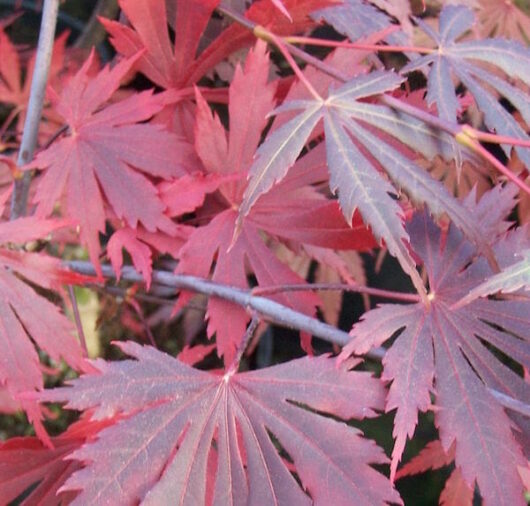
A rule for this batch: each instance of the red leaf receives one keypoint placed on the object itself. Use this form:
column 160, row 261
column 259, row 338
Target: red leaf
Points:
column 140, row 253
column 456, row 491
column 26, row 316
column 164, row 65
column 106, row 152
column 433, row 456
column 178, row 414
column 26, row 461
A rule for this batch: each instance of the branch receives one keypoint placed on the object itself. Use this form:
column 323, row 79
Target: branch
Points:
column 43, row 59
column 269, row 309
column 272, row 311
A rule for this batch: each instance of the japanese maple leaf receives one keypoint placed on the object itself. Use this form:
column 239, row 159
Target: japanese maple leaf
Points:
column 107, row 157
column 140, row 244
column 448, row 352
column 14, row 90
column 357, row 19
column 295, row 211
column 178, row 65
column 354, row 154
column 26, row 462
column 503, row 19
column 456, row 491
column 452, row 58
column 27, row 318
column 176, row 415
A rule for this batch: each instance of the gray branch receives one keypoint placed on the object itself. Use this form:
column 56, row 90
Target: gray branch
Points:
column 269, row 309
column 36, row 100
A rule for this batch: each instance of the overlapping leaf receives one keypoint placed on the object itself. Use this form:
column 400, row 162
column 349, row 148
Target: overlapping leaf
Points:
column 293, row 211
column 15, row 82
column 180, row 419
column 27, row 318
column 354, row 154
column 456, row 59
column 26, row 463
column 179, row 65
column 448, row 352
column 456, row 491
column 503, row 19
column 102, row 159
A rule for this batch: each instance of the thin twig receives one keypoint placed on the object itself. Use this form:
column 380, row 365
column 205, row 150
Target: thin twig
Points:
column 28, row 144
column 268, row 309
column 253, row 325
column 387, row 294
column 77, row 319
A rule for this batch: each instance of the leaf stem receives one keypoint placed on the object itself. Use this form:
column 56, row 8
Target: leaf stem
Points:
column 387, row 294
column 310, row 41
column 266, row 35
column 268, row 309
column 19, row 199
column 77, row 319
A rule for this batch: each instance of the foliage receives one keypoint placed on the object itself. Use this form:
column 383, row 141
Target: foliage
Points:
column 223, row 171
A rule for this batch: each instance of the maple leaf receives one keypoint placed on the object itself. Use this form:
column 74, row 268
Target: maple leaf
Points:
column 15, row 91
column 503, row 19
column 25, row 316
column 175, row 414
column 103, row 158
column 456, row 492
column 163, row 64
column 178, row 65
column 139, row 243
column 354, row 174
column 27, row 462
column 453, row 58
column 448, row 346
column 294, row 211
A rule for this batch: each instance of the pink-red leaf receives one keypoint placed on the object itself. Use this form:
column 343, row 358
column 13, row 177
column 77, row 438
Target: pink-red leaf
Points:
column 441, row 343
column 25, row 462
column 103, row 158
column 178, row 414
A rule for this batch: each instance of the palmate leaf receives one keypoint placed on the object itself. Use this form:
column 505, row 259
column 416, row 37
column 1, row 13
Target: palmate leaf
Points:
column 511, row 278
column 456, row 491
column 454, row 348
column 107, row 156
column 181, row 421
column 26, row 463
column 292, row 211
column 453, row 58
column 28, row 319
column 353, row 173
